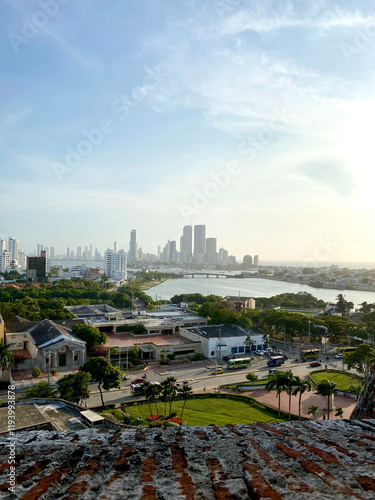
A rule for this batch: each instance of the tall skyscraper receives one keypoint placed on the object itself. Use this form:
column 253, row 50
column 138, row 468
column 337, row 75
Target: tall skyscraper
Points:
column 4, row 260
column 115, row 247
column 211, row 252
column 187, row 244
column 51, row 253
column 79, row 253
column 132, row 256
column 68, row 253
column 256, row 260
column 36, row 267
column 199, row 243
column 3, row 245
column 247, row 261
column 13, row 248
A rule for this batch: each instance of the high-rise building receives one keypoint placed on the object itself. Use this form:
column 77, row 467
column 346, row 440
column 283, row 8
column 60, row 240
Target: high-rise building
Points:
column 211, row 253
column 22, row 259
column 79, row 253
column 115, row 247
column 247, row 261
column 223, row 256
column 3, row 245
column 187, row 244
column 13, row 248
column 4, row 260
column 256, row 260
column 132, row 256
column 199, row 243
column 115, row 264
column 36, row 267
column 68, row 253
column 97, row 254
column 90, row 254
column 173, row 255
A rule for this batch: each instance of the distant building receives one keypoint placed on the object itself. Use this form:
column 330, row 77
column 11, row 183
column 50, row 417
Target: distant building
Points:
column 256, row 260
column 132, row 254
column 36, row 268
column 13, row 248
column 199, row 243
column 239, row 303
column 186, row 247
column 211, row 252
column 93, row 274
column 4, row 260
column 115, row 264
column 247, row 261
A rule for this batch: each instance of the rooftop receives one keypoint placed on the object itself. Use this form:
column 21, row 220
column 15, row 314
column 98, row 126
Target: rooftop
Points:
column 214, row 331
column 128, row 340
column 309, row 460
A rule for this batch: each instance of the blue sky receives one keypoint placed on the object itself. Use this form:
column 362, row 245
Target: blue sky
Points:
column 279, row 95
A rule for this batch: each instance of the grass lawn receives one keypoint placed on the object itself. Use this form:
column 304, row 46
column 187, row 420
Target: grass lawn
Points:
column 342, row 380
column 219, row 411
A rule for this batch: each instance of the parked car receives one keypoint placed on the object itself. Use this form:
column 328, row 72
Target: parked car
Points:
column 315, row 363
column 280, row 352
column 339, row 356
column 259, row 353
column 218, row 371
column 138, row 381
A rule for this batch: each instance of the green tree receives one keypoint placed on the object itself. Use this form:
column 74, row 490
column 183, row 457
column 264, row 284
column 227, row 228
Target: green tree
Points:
column 162, row 355
column 301, row 386
column 362, row 359
column 91, row 335
column 74, row 387
column 248, row 341
column 152, row 392
column 313, row 410
column 6, row 356
column 356, row 389
column 339, row 412
column 289, row 389
column 279, row 381
column 40, row 390
column 327, row 388
column 342, row 305
column 186, row 392
column 101, row 370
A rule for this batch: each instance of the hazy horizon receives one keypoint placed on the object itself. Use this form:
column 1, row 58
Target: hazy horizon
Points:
column 252, row 117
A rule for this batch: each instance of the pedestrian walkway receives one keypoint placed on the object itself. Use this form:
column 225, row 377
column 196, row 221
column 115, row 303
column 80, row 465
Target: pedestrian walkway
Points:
column 308, row 399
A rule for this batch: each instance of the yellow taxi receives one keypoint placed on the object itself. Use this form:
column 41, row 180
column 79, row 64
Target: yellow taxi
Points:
column 218, row 371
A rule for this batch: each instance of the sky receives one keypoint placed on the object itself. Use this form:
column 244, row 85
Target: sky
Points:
column 254, row 117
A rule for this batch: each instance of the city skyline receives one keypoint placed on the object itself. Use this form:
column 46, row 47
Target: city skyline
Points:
column 254, row 117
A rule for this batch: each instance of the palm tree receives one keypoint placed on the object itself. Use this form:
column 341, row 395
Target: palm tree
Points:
column 327, row 388
column 170, row 388
column 289, row 388
column 165, row 390
column 313, row 410
column 147, row 391
column 339, row 412
column 186, row 392
column 249, row 342
column 301, row 387
column 152, row 392
column 277, row 380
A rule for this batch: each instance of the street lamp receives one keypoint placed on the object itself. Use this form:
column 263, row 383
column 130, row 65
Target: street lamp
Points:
column 309, row 331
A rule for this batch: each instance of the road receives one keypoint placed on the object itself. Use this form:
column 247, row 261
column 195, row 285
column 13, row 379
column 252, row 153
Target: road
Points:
column 201, row 377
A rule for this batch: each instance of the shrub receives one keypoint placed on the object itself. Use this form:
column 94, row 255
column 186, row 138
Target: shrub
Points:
column 53, row 371
column 157, row 423
column 196, row 357
column 36, row 372
column 171, row 356
column 127, row 418
column 252, row 377
column 171, row 424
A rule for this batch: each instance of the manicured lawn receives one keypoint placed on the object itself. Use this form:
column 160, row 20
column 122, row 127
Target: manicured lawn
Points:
column 219, row 411
column 342, row 380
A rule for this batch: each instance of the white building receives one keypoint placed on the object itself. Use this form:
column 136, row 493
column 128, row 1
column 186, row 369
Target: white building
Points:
column 227, row 339
column 115, row 264
column 4, row 260
column 13, row 248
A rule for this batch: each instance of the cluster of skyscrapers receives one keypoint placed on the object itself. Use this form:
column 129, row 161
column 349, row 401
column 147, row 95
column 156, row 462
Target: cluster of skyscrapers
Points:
column 11, row 256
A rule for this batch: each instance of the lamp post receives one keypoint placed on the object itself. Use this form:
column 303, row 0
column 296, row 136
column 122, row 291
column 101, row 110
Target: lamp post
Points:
column 220, row 345
column 309, row 331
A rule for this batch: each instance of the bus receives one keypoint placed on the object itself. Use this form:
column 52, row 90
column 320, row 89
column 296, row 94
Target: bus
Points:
column 344, row 350
column 136, row 389
column 275, row 361
column 310, row 353
column 238, row 363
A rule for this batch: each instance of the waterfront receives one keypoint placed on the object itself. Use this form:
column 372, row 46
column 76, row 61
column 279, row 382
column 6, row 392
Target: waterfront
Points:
column 250, row 287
